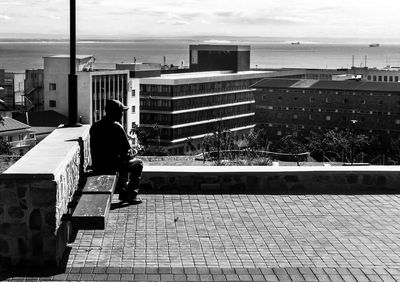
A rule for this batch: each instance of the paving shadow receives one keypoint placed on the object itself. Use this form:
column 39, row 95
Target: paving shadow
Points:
column 22, row 272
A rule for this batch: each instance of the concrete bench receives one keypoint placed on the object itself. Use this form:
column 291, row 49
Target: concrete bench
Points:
column 94, row 204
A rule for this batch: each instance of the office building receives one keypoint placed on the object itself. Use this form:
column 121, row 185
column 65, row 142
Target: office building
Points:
column 293, row 106
column 195, row 104
column 95, row 86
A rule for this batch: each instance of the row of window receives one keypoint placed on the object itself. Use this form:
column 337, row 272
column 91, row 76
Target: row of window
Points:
column 327, row 110
column 196, row 102
column 328, row 100
column 384, row 78
column 195, row 88
column 183, row 118
column 328, row 92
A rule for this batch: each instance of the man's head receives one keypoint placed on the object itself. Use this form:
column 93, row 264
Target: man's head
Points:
column 114, row 109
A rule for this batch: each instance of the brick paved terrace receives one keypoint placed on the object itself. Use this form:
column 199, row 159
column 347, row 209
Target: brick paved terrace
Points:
column 241, row 238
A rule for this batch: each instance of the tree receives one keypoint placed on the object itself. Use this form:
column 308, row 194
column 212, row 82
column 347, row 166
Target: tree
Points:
column 337, row 145
column 5, row 148
column 258, row 139
column 147, row 137
column 290, row 145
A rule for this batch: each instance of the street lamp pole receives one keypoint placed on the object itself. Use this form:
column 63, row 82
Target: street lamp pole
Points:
column 72, row 77
column 353, row 123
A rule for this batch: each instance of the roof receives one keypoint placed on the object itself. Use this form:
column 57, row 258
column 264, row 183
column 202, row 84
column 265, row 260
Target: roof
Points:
column 44, row 118
column 204, row 76
column 3, row 106
column 350, row 85
column 65, row 56
column 10, row 124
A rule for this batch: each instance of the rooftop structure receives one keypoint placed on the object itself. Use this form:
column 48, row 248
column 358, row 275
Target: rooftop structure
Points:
column 204, row 57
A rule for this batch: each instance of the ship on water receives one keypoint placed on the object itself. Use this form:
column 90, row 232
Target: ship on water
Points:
column 374, row 45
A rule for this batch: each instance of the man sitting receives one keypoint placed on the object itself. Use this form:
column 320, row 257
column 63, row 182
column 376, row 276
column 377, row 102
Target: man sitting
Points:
column 111, row 152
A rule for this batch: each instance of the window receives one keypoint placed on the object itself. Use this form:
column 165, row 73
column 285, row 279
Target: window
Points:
column 385, row 78
column 133, row 92
column 328, row 118
column 369, row 77
column 279, row 133
column 326, row 100
column 133, row 109
column 345, row 101
column 396, row 78
column 380, row 78
column 391, row 78
column 397, row 121
column 311, row 99
column 52, row 104
column 295, row 116
column 52, row 86
column 374, row 78
column 363, row 102
column 380, row 102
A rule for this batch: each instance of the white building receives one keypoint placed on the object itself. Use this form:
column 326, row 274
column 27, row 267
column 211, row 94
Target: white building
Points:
column 94, row 88
column 19, row 135
column 192, row 105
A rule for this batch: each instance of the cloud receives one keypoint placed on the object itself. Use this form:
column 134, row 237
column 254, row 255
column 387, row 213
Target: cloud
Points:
column 256, row 18
column 5, row 17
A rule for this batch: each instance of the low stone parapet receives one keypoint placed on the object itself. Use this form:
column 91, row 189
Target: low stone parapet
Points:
column 271, row 179
column 34, row 195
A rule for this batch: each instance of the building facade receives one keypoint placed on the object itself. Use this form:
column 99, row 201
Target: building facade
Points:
column 18, row 135
column 94, row 88
column 189, row 106
column 34, row 99
column 292, row 106
column 7, row 88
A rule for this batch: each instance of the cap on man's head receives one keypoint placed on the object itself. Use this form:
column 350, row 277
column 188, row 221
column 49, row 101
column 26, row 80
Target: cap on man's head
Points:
column 115, row 106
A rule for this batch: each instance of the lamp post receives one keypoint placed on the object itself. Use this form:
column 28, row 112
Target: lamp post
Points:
column 72, row 77
column 353, row 123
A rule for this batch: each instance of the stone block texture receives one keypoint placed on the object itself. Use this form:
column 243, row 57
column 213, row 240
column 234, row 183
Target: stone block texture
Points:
column 32, row 206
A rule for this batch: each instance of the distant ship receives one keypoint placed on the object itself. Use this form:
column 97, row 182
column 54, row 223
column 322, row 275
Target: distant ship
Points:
column 374, row 45
column 296, row 43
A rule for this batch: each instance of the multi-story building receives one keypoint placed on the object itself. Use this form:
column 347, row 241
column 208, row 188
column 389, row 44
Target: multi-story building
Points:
column 18, row 135
column 193, row 105
column 34, row 100
column 94, row 88
column 292, row 106
column 7, row 85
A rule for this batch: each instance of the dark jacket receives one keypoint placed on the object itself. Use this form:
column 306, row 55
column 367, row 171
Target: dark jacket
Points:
column 109, row 146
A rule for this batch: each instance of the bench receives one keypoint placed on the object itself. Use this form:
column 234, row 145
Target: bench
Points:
column 94, row 204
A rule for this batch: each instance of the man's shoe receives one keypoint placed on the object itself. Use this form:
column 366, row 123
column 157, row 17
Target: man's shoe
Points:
column 135, row 201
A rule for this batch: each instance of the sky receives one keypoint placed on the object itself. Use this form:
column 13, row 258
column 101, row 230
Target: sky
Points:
column 266, row 18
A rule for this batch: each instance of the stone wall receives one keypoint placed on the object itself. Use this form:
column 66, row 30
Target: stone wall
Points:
column 272, row 180
column 34, row 194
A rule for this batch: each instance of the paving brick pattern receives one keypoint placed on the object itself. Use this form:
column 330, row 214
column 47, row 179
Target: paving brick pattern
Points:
column 243, row 237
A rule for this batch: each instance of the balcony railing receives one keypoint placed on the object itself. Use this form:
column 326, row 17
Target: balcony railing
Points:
column 23, row 143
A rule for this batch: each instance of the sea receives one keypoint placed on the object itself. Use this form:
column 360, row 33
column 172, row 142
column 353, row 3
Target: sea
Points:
column 19, row 55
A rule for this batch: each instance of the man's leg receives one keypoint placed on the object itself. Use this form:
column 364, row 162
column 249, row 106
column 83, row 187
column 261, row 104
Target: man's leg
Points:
column 135, row 169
